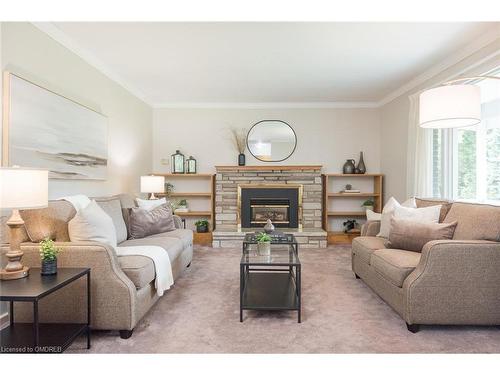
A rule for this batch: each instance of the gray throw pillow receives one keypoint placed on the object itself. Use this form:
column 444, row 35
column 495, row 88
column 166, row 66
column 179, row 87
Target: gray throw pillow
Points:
column 412, row 235
column 145, row 223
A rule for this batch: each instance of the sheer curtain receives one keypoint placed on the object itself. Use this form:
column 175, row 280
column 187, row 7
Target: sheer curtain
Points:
column 419, row 158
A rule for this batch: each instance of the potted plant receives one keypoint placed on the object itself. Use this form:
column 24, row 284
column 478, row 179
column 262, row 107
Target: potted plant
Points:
column 368, row 204
column 169, row 188
column 201, row 226
column 48, row 255
column 182, row 206
column 263, row 243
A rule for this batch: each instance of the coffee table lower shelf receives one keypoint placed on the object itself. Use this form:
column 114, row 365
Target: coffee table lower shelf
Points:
column 54, row 338
column 270, row 291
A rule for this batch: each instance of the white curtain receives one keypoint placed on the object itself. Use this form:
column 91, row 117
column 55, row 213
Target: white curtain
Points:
column 419, row 158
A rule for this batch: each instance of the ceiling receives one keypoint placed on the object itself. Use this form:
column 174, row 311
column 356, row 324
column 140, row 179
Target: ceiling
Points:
column 169, row 64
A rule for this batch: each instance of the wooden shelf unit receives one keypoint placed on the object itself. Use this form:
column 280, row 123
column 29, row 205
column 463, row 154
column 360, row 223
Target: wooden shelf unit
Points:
column 210, row 195
column 328, row 196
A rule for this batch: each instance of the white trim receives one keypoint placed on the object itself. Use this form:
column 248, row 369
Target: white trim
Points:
column 450, row 61
column 59, row 36
column 266, row 105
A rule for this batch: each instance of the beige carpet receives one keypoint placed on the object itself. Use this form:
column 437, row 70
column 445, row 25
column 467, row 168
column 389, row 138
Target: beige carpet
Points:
column 340, row 315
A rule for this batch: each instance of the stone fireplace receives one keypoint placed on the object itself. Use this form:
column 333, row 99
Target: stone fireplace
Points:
column 291, row 196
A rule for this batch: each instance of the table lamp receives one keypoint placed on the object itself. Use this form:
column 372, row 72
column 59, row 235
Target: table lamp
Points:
column 20, row 188
column 152, row 185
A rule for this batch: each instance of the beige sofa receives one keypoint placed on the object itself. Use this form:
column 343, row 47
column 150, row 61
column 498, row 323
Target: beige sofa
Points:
column 452, row 282
column 122, row 287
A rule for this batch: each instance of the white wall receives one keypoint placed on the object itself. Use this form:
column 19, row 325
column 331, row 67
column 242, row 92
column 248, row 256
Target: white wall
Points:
column 394, row 120
column 325, row 136
column 32, row 54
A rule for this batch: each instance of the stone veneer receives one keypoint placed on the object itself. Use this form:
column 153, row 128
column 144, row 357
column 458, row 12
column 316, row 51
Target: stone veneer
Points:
column 226, row 196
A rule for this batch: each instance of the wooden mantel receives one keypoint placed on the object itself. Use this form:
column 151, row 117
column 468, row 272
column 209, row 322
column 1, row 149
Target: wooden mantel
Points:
column 232, row 168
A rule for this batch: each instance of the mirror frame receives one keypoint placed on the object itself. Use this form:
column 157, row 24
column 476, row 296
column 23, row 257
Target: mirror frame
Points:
column 272, row 161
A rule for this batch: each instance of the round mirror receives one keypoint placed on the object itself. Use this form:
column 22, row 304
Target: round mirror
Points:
column 271, row 140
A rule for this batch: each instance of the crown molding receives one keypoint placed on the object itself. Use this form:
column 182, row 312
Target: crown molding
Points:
column 450, row 61
column 264, row 105
column 59, row 36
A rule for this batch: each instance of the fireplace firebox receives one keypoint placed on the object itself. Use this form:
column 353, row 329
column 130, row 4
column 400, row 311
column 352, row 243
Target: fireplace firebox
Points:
column 281, row 204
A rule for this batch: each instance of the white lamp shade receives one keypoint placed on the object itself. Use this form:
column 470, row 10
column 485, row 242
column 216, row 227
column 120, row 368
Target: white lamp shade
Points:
column 22, row 188
column 152, row 184
column 452, row 106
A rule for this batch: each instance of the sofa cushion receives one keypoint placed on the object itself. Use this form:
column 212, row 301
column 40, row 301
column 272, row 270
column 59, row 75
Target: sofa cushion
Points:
column 144, row 223
column 394, row 265
column 113, row 208
column 49, row 222
column 92, row 224
column 411, row 235
column 365, row 246
column 475, row 221
column 185, row 235
column 173, row 246
column 139, row 269
column 445, row 206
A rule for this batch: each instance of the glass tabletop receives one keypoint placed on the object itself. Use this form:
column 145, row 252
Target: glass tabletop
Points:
column 280, row 255
column 276, row 238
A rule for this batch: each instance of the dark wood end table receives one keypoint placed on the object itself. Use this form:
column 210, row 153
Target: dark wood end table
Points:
column 39, row 337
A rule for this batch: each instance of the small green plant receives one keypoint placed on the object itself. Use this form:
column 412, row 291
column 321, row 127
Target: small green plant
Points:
column 169, row 188
column 182, row 203
column 48, row 251
column 368, row 202
column 201, row 223
column 263, row 237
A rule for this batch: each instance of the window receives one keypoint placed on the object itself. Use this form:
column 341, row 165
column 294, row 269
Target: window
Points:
column 466, row 161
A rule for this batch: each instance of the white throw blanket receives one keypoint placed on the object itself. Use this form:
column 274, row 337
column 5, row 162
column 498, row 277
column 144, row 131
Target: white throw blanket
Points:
column 163, row 268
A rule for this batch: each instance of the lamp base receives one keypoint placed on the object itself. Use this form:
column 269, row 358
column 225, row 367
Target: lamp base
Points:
column 14, row 275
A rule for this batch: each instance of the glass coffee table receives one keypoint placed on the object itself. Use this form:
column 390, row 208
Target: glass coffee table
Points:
column 270, row 282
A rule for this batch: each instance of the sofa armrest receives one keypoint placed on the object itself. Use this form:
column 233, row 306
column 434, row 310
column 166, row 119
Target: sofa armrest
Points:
column 455, row 282
column 113, row 293
column 370, row 228
column 178, row 222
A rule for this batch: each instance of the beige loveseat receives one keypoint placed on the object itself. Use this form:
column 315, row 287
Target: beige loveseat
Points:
column 122, row 287
column 455, row 282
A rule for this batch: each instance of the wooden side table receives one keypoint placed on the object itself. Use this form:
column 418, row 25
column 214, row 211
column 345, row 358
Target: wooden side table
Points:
column 39, row 337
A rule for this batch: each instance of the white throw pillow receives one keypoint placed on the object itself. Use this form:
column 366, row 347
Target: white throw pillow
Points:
column 421, row 215
column 373, row 216
column 150, row 204
column 390, row 206
column 92, row 224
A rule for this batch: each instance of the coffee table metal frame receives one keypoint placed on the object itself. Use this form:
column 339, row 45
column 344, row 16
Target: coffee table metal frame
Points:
column 269, row 284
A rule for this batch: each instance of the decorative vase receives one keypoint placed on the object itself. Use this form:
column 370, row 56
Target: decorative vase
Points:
column 356, row 171
column 241, row 159
column 348, row 167
column 49, row 267
column 361, row 164
column 368, row 208
column 202, row 229
column 269, row 227
column 264, row 248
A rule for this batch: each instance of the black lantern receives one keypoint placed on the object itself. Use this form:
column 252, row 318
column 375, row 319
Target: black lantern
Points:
column 191, row 165
column 177, row 162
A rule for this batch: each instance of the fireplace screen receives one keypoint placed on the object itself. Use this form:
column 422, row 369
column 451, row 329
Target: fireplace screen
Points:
column 262, row 209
